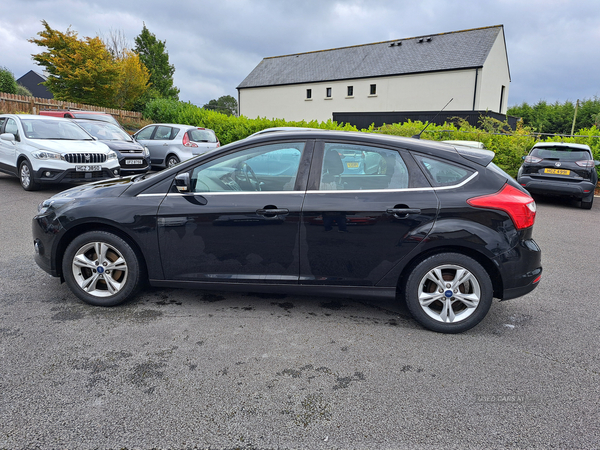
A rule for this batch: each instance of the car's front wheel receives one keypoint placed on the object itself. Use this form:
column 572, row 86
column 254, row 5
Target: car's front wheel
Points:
column 101, row 268
column 26, row 176
column 449, row 293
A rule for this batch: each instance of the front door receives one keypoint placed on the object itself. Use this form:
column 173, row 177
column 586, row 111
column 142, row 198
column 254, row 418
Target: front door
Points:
column 241, row 222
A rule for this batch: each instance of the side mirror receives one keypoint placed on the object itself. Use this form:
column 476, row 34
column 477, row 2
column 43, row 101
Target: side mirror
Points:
column 182, row 183
column 7, row 137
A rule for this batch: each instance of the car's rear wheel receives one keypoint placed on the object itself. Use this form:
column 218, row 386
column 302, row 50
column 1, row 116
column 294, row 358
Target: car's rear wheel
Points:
column 101, row 268
column 587, row 202
column 449, row 293
column 26, row 177
column 171, row 161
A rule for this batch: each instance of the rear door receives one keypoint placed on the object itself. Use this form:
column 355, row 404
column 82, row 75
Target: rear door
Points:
column 366, row 208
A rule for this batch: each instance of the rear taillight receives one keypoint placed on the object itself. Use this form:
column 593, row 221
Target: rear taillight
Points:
column 588, row 163
column 532, row 159
column 517, row 204
column 187, row 142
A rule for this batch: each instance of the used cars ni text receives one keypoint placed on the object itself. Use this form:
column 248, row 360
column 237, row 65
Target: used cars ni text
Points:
column 437, row 226
column 169, row 144
column 47, row 150
column 561, row 169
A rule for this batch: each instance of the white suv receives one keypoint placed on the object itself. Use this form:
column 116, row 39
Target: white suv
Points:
column 46, row 150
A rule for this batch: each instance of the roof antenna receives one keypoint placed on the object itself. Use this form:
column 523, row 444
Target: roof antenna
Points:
column 418, row 136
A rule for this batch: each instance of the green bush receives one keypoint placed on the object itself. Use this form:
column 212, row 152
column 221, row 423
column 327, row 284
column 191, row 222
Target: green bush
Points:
column 7, row 81
column 510, row 146
column 22, row 90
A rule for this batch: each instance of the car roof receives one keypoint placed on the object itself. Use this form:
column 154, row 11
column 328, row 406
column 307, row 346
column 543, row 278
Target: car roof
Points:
column 434, row 148
column 34, row 117
column 562, row 144
column 180, row 125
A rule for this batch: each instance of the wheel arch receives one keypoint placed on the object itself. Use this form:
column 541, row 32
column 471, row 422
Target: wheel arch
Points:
column 79, row 229
column 486, row 263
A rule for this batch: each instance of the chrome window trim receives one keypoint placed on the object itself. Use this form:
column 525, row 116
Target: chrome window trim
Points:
column 316, row 191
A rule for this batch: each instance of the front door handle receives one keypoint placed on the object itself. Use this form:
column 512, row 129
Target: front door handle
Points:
column 403, row 213
column 272, row 212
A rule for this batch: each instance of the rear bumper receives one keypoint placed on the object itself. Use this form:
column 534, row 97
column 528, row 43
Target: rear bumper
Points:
column 521, row 269
column 577, row 189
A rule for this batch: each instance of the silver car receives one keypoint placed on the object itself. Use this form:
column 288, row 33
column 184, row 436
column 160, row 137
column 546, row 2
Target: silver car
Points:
column 169, row 144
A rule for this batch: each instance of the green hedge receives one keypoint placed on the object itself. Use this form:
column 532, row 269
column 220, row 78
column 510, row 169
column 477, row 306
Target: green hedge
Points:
column 509, row 145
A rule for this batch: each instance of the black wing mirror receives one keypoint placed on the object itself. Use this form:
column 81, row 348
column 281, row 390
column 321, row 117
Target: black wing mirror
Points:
column 182, row 183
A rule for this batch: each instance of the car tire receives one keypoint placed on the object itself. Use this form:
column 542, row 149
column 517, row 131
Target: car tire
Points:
column 448, row 293
column 101, row 269
column 171, row 161
column 586, row 203
column 26, row 176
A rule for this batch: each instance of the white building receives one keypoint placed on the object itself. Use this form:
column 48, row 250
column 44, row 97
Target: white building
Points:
column 415, row 74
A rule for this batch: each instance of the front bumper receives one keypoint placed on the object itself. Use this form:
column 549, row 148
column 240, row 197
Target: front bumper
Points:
column 48, row 175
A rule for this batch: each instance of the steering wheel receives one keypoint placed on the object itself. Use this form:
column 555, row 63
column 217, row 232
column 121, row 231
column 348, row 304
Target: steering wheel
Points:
column 246, row 175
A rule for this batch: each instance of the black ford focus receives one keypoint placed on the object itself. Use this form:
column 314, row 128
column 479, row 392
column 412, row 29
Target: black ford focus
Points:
column 437, row 226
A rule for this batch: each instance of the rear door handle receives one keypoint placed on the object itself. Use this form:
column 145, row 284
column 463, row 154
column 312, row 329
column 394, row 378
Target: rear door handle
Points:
column 272, row 212
column 403, row 213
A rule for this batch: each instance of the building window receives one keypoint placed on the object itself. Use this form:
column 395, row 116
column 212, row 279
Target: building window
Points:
column 350, row 91
column 373, row 89
column 501, row 98
column 309, row 93
column 328, row 92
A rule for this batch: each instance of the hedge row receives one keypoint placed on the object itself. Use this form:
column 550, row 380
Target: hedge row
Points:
column 509, row 145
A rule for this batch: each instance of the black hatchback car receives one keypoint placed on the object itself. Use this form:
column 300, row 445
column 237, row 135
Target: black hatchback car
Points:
column 438, row 226
column 561, row 169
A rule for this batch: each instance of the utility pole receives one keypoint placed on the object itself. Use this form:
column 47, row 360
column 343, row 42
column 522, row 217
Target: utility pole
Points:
column 574, row 117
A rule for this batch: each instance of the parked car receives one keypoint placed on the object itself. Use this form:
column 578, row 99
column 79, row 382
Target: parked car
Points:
column 47, row 150
column 78, row 114
column 444, row 229
column 169, row 144
column 133, row 156
column 562, row 169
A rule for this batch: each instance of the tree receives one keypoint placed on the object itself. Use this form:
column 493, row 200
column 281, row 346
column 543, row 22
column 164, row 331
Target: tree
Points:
column 81, row 71
column 226, row 104
column 155, row 57
column 132, row 81
column 7, row 81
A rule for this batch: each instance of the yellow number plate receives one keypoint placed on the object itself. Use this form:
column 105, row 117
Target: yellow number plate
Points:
column 352, row 165
column 557, row 171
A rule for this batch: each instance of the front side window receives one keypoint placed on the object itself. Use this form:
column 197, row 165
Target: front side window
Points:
column 360, row 167
column 272, row 167
column 11, row 127
column 145, row 134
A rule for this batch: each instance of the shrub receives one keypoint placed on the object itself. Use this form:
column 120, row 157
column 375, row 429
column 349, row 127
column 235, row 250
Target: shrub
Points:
column 7, row 81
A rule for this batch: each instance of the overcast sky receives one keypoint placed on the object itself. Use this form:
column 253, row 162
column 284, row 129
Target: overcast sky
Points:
column 553, row 45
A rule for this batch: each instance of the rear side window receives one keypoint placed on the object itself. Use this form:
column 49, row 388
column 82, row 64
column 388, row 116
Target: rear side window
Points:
column 443, row 173
column 165, row 133
column 561, row 153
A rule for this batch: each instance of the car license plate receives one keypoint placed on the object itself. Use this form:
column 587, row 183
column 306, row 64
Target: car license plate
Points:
column 88, row 168
column 557, row 171
column 352, row 165
column 133, row 161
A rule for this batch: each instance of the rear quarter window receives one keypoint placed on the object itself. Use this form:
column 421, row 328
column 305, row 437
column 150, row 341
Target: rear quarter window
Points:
column 443, row 173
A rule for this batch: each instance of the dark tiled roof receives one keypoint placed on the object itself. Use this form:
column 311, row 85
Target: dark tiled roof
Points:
column 444, row 51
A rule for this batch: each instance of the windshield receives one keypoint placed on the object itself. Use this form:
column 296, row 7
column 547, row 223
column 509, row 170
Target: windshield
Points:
column 105, row 131
column 54, row 129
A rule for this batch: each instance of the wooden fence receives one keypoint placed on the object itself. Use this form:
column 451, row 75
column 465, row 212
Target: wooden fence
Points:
column 11, row 103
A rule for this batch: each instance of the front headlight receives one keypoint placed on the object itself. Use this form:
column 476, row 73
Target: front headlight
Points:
column 52, row 203
column 146, row 151
column 45, row 154
column 111, row 155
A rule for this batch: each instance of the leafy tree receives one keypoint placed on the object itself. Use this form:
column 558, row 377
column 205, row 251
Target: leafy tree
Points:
column 7, row 81
column 132, row 81
column 81, row 71
column 226, row 104
column 155, row 57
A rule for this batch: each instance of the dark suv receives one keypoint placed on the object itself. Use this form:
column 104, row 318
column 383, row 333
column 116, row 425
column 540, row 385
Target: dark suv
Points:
column 555, row 168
